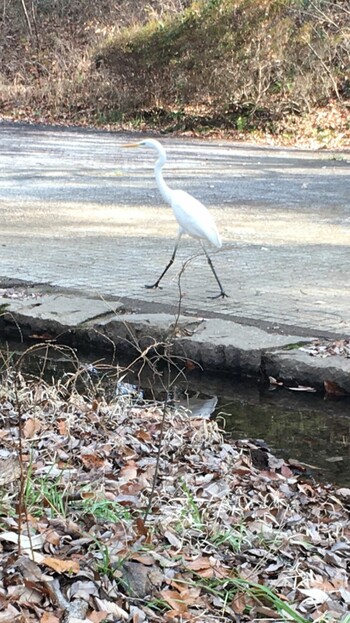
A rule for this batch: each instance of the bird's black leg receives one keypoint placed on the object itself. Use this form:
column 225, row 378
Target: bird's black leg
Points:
column 222, row 291
column 156, row 284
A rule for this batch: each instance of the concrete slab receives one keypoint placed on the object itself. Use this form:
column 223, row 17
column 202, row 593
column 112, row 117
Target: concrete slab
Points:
column 308, row 370
column 213, row 344
column 135, row 332
column 221, row 344
column 217, row 345
column 10, row 305
column 54, row 313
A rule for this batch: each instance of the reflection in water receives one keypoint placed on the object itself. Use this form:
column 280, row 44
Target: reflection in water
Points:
column 314, row 437
column 299, row 426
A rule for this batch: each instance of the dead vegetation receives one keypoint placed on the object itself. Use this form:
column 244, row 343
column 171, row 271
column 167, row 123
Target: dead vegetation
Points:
column 266, row 68
column 95, row 528
column 48, row 48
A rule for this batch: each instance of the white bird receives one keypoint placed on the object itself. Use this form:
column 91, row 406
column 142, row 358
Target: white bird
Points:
column 192, row 216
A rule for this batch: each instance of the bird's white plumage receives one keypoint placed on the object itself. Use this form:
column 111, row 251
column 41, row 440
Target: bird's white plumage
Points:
column 194, row 218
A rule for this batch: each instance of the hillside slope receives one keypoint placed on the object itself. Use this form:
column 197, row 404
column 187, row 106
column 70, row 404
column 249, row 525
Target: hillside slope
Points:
column 268, row 66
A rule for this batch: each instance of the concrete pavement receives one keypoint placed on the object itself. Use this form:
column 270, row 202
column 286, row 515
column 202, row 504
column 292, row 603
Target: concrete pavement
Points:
column 78, row 212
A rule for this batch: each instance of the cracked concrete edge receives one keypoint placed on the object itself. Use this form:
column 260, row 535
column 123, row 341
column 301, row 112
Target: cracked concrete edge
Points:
column 307, row 370
column 216, row 345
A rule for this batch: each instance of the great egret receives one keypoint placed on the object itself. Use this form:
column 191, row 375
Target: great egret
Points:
column 192, row 216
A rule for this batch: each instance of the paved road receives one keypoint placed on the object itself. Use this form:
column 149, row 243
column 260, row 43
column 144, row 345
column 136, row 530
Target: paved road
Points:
column 79, row 211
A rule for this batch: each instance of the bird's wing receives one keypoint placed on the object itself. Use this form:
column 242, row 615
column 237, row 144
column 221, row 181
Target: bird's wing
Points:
column 194, row 218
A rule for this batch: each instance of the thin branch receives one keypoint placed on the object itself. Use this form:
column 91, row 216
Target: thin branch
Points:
column 27, row 17
column 327, row 70
column 181, row 272
column 160, row 444
column 22, row 507
column 33, row 12
column 324, row 15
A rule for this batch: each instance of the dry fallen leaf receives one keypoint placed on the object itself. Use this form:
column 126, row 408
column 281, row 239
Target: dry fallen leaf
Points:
column 333, row 389
column 275, row 382
column 31, row 571
column 173, row 598
column 302, row 388
column 142, row 530
column 97, row 617
column 201, row 562
column 51, row 536
column 61, row 566
column 239, row 602
column 316, row 595
column 49, row 617
column 24, row 594
column 83, row 589
column 128, row 472
column 9, row 470
column 31, row 427
column 62, row 426
column 344, row 492
column 173, row 540
column 111, row 608
column 27, row 543
column 144, row 435
column 11, row 615
column 92, row 461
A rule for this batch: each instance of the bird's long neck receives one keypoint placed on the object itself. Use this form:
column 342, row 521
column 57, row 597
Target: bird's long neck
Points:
column 162, row 185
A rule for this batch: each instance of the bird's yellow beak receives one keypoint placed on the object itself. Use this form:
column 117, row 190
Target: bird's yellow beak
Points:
column 131, row 145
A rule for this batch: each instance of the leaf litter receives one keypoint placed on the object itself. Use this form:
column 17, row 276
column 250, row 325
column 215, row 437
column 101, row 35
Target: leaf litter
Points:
column 328, row 348
column 228, row 537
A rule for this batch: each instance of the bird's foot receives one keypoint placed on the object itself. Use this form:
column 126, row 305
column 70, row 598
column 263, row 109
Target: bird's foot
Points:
column 153, row 286
column 222, row 294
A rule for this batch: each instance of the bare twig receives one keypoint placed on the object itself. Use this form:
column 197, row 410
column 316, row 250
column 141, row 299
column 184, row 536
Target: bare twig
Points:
column 26, row 15
column 167, row 391
column 179, row 277
column 327, row 70
column 33, row 12
column 160, row 444
column 21, row 507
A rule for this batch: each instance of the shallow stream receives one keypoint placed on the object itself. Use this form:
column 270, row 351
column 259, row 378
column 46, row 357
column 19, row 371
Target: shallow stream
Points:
column 294, row 425
column 304, row 427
